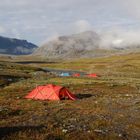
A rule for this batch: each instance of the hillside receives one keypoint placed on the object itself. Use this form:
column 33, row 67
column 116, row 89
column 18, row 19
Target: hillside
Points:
column 76, row 45
column 15, row 46
column 107, row 107
column 84, row 45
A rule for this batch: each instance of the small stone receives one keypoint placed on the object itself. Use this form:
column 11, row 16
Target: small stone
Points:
column 99, row 131
column 96, row 102
column 64, row 130
column 120, row 135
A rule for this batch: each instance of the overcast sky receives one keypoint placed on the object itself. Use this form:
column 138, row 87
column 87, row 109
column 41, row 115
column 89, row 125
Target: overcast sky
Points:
column 40, row 20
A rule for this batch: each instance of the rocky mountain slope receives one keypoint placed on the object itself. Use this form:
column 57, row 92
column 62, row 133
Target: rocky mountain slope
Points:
column 84, row 45
column 15, row 46
column 76, row 45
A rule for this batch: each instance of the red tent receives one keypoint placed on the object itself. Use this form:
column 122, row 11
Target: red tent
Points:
column 76, row 75
column 50, row 92
column 94, row 75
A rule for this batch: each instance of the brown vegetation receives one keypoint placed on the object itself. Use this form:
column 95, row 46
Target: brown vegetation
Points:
column 108, row 106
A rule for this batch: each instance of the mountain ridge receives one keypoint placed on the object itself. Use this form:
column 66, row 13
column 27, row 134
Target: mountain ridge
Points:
column 82, row 45
column 13, row 46
column 74, row 45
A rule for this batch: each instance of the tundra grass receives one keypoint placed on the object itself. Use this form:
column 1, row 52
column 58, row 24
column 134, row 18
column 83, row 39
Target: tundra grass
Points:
column 108, row 107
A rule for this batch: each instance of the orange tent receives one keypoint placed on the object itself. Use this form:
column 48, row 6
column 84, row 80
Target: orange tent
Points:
column 76, row 75
column 50, row 92
column 94, row 75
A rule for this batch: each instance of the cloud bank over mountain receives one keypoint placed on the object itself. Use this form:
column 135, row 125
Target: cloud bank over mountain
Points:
column 119, row 38
column 39, row 20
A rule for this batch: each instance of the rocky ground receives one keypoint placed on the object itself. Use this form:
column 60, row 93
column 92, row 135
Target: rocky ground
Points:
column 108, row 107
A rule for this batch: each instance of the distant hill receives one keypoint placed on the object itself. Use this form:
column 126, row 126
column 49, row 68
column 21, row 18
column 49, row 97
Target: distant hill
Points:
column 76, row 45
column 83, row 45
column 14, row 46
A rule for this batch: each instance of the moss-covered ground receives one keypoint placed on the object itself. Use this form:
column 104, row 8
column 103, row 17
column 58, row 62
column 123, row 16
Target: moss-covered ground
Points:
column 108, row 107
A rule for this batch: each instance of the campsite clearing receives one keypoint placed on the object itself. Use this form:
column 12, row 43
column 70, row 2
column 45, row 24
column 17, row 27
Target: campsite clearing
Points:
column 108, row 106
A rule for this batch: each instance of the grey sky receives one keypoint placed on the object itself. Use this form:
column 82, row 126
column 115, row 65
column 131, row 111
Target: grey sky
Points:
column 39, row 20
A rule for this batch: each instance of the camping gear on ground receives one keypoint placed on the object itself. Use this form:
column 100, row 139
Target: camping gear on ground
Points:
column 76, row 75
column 92, row 75
column 50, row 92
column 65, row 74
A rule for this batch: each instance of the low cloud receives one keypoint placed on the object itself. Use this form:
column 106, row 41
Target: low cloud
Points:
column 119, row 38
column 82, row 26
column 15, row 33
column 53, row 37
column 2, row 30
column 33, row 19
